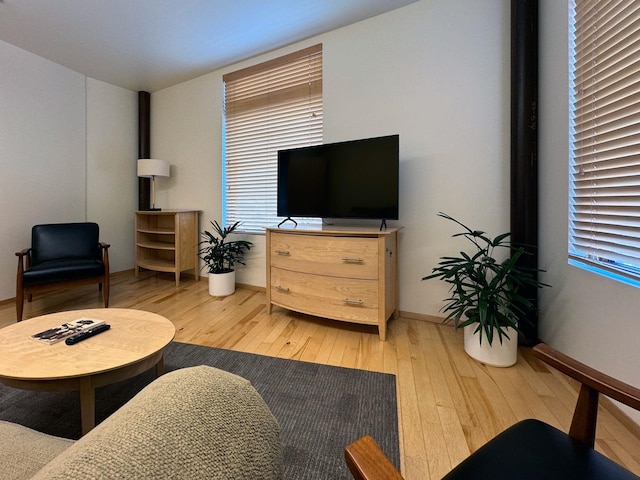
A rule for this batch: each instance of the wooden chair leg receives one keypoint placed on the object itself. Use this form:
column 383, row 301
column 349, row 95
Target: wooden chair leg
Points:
column 106, row 277
column 19, row 303
column 22, row 255
column 105, row 293
column 585, row 415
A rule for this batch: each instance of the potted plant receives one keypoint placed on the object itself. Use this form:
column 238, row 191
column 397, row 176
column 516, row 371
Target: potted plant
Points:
column 485, row 294
column 220, row 255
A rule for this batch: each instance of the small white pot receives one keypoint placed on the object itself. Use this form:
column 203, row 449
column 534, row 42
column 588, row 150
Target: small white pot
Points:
column 497, row 354
column 222, row 284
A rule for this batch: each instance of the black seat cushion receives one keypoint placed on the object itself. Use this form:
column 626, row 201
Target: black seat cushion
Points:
column 534, row 450
column 62, row 271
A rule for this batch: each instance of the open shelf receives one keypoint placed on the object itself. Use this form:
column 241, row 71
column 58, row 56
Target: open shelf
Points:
column 167, row 241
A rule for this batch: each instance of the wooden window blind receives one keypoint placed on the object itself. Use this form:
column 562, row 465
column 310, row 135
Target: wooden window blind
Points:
column 604, row 210
column 268, row 107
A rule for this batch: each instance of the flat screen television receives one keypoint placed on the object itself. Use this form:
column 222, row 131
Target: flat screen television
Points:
column 357, row 179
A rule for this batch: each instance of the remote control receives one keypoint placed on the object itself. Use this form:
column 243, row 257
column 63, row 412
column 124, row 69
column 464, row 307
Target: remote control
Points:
column 78, row 337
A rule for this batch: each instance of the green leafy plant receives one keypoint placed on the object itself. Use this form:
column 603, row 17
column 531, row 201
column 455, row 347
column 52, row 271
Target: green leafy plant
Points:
column 484, row 290
column 220, row 255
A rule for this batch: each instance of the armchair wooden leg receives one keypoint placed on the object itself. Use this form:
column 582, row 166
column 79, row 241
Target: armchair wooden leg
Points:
column 583, row 425
column 105, row 293
column 19, row 303
column 19, row 285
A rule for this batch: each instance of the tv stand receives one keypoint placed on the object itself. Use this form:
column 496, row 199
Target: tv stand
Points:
column 343, row 273
column 286, row 220
column 383, row 224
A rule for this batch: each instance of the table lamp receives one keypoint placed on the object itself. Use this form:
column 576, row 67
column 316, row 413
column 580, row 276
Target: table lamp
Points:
column 152, row 168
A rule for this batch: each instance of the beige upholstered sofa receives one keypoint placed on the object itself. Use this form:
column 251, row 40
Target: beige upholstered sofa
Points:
column 193, row 423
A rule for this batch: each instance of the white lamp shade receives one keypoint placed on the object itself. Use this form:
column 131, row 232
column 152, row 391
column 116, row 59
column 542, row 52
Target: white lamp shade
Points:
column 150, row 167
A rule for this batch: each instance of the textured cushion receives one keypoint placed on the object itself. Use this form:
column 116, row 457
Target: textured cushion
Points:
column 197, row 422
column 24, row 451
column 534, row 450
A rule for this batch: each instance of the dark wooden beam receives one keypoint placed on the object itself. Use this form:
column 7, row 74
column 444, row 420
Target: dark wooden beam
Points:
column 524, row 145
column 144, row 147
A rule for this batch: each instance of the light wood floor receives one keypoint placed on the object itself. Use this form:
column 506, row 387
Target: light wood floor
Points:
column 448, row 404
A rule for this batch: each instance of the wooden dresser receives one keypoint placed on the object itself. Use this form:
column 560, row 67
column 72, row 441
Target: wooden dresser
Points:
column 343, row 273
column 167, row 241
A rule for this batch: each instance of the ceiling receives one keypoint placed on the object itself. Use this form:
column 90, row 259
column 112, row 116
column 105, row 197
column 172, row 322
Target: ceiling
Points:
column 152, row 44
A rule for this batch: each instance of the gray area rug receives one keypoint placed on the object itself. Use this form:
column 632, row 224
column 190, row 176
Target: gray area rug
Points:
column 320, row 408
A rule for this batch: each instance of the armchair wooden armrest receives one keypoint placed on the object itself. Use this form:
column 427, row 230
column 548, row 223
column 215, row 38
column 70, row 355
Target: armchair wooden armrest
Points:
column 104, row 247
column 537, row 449
column 24, row 258
column 367, row 461
column 583, row 424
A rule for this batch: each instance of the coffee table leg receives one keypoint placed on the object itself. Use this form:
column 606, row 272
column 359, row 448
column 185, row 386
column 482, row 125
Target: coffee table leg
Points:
column 87, row 405
column 160, row 366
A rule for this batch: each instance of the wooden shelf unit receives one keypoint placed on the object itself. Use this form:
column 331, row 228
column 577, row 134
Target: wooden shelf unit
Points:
column 343, row 273
column 167, row 241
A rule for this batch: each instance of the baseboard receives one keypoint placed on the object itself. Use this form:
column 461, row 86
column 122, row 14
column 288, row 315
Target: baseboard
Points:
column 121, row 273
column 616, row 412
column 251, row 287
column 7, row 301
column 421, row 317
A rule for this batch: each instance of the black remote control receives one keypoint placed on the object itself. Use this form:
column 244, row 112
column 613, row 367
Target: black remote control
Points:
column 78, row 337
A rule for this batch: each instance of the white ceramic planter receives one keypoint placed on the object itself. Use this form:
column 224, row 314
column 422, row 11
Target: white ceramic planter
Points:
column 497, row 354
column 222, row 284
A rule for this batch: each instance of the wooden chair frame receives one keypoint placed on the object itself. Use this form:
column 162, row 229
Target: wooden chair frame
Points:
column 24, row 263
column 366, row 461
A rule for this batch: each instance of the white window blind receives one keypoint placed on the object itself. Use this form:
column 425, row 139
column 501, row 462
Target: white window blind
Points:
column 268, row 107
column 604, row 223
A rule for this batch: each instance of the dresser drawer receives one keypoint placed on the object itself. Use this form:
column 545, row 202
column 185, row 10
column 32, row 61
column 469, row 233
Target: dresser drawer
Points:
column 353, row 300
column 347, row 257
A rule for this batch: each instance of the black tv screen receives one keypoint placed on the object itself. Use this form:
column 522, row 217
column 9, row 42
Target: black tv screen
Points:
column 355, row 179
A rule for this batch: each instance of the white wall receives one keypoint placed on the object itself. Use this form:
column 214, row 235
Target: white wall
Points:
column 436, row 72
column 591, row 318
column 186, row 121
column 42, row 151
column 112, row 184
column 59, row 133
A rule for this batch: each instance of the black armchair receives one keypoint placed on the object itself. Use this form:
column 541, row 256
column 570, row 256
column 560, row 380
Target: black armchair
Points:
column 530, row 449
column 62, row 255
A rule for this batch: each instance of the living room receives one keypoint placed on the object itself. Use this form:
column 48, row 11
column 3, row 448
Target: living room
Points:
column 436, row 72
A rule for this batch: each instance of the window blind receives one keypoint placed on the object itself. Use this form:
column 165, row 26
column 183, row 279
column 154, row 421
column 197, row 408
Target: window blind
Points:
column 604, row 223
column 268, row 107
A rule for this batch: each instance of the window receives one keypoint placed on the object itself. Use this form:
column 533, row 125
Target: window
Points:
column 604, row 203
column 268, row 107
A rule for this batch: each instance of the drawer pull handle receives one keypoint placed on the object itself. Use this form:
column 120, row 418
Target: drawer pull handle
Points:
column 353, row 302
column 352, row 259
column 282, row 289
column 282, row 252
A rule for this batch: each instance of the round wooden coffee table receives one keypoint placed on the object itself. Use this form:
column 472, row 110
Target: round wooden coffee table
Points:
column 134, row 343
